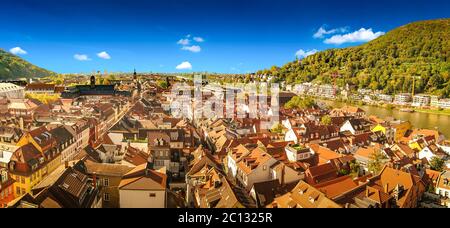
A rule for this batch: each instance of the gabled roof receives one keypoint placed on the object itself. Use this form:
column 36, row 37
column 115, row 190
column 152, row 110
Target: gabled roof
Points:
column 325, row 155
column 303, row 196
column 141, row 178
column 67, row 188
column 63, row 134
column 253, row 160
column 26, row 154
column 367, row 152
column 425, row 133
column 404, row 149
column 42, row 136
column 337, row 186
column 207, row 160
column 266, row 191
column 135, row 156
column 104, row 169
column 40, row 86
column 321, row 173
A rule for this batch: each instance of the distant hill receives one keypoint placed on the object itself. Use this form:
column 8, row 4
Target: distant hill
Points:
column 14, row 67
column 388, row 63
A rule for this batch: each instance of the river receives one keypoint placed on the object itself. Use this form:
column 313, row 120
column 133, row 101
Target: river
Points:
column 417, row 119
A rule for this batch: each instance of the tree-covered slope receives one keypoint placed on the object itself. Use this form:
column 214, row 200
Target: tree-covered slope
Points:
column 418, row 50
column 13, row 67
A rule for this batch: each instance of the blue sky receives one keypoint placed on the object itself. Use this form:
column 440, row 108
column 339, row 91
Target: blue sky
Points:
column 242, row 36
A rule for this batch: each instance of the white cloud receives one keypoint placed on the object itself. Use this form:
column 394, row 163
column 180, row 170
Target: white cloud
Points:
column 193, row 48
column 303, row 54
column 81, row 57
column 184, row 66
column 184, row 42
column 104, row 55
column 18, row 51
column 362, row 35
column 199, row 39
column 322, row 31
column 235, row 69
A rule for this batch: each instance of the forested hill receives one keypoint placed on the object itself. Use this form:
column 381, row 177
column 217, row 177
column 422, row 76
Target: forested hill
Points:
column 14, row 67
column 389, row 63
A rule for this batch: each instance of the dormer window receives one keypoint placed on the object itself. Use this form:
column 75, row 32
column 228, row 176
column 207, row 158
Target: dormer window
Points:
column 4, row 176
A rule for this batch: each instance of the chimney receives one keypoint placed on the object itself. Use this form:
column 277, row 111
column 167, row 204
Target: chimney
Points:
column 21, row 124
column 283, row 173
column 94, row 179
column 386, row 188
column 150, row 164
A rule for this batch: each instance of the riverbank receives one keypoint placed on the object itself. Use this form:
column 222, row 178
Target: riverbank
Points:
column 445, row 112
column 390, row 107
column 425, row 119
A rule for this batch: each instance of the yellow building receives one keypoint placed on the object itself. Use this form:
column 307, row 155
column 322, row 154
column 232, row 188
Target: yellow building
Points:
column 399, row 130
column 379, row 128
column 415, row 145
column 37, row 156
column 28, row 167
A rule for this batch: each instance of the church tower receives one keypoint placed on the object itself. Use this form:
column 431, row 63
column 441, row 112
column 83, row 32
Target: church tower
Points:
column 92, row 81
column 136, row 81
column 135, row 75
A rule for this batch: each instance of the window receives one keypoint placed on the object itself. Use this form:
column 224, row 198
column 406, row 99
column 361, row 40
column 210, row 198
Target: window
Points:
column 106, row 197
column 18, row 191
column 4, row 176
column 152, row 195
column 159, row 163
column 22, row 180
column 106, row 182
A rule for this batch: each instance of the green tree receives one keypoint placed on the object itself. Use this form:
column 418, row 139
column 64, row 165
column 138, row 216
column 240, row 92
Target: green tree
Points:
column 277, row 128
column 326, row 120
column 377, row 160
column 437, row 164
column 355, row 168
column 387, row 63
column 163, row 84
column 343, row 172
column 299, row 102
